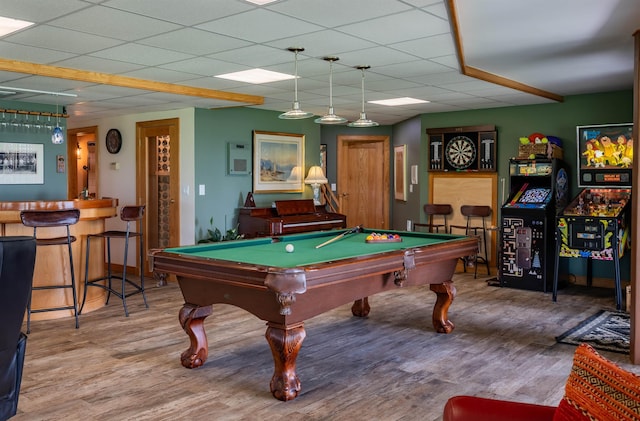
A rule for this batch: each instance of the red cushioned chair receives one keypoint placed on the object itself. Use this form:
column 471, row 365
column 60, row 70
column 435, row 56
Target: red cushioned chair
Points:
column 597, row 389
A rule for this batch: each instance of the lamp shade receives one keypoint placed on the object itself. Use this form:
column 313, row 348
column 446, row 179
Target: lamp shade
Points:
column 316, row 176
column 296, row 174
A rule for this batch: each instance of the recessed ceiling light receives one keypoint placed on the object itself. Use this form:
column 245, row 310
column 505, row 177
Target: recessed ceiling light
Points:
column 261, row 2
column 256, row 76
column 8, row 25
column 398, row 101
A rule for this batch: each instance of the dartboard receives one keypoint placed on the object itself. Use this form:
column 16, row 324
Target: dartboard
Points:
column 460, row 152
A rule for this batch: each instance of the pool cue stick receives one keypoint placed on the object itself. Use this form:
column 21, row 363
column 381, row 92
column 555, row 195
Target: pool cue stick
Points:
column 336, row 238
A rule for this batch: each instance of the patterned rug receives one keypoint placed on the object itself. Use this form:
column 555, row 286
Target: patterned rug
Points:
column 605, row 330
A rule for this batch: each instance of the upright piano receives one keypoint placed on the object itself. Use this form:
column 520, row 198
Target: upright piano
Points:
column 287, row 217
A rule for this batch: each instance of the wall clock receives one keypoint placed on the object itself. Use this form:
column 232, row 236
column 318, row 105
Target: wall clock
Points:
column 460, row 152
column 114, row 140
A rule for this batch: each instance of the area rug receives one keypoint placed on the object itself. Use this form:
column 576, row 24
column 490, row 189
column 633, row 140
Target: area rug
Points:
column 605, row 330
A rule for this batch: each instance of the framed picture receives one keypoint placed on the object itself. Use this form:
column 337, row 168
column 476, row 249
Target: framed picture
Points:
column 21, row 163
column 323, row 157
column 278, row 162
column 605, row 155
column 400, row 172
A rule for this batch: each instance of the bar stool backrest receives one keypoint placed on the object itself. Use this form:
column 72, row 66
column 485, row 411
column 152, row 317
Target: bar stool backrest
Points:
column 132, row 213
column 437, row 209
column 478, row 211
column 50, row 218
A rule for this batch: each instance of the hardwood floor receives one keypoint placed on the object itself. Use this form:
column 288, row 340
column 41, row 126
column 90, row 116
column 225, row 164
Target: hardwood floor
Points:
column 388, row 366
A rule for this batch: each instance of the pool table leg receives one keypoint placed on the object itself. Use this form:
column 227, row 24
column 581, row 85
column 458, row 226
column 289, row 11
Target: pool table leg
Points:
column 445, row 293
column 285, row 344
column 361, row 308
column 192, row 321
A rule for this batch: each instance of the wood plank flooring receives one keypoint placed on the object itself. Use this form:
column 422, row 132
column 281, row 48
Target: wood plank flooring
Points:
column 388, row 366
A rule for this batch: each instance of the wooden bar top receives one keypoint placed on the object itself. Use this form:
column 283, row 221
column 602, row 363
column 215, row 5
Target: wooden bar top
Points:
column 105, row 207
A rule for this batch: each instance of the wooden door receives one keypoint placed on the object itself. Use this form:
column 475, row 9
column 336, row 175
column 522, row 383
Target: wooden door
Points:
column 82, row 162
column 158, row 182
column 363, row 180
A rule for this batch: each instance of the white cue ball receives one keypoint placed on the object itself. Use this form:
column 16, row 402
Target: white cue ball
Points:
column 289, row 248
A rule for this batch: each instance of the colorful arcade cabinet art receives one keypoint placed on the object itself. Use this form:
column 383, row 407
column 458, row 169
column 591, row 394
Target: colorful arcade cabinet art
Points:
column 538, row 192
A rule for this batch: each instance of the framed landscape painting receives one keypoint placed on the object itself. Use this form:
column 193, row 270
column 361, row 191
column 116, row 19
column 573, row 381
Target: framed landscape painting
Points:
column 278, row 162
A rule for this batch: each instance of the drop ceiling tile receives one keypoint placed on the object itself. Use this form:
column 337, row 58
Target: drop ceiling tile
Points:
column 113, row 23
column 97, row 64
column 197, row 11
column 140, row 54
column 255, row 56
column 259, row 25
column 61, row 39
column 160, row 75
column 332, row 13
column 34, row 11
column 411, row 69
column 324, row 43
column 429, row 47
column 194, row 41
column 31, row 54
column 399, row 27
column 203, row 66
column 376, row 57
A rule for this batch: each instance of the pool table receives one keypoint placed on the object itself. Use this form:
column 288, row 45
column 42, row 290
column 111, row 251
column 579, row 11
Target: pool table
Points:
column 286, row 288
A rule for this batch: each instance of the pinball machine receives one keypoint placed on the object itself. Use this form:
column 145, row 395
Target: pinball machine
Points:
column 595, row 224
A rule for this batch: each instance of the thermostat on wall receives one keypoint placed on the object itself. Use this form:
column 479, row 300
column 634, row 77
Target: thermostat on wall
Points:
column 239, row 159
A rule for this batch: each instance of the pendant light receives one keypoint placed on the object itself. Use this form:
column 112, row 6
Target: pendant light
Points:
column 57, row 136
column 363, row 121
column 331, row 118
column 295, row 113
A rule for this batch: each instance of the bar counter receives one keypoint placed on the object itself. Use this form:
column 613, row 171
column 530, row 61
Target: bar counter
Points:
column 52, row 262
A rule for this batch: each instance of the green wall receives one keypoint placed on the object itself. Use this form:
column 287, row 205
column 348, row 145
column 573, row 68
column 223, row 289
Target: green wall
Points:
column 55, row 184
column 226, row 193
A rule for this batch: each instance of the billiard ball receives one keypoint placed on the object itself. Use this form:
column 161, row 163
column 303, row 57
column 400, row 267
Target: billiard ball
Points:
column 289, row 248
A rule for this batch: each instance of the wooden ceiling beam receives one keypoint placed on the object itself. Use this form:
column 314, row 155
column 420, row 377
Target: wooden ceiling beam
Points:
column 484, row 75
column 124, row 81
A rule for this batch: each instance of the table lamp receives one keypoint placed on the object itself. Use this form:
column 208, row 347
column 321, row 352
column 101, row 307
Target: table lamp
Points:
column 315, row 177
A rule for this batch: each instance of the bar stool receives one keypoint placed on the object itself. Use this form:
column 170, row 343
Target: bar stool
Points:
column 130, row 214
column 479, row 231
column 52, row 219
column 432, row 210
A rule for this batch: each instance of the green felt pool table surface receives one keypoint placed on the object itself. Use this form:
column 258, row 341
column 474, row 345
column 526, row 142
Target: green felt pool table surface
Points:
column 267, row 252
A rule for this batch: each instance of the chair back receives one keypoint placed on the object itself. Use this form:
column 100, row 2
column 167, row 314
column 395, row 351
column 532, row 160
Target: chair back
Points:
column 475, row 211
column 132, row 213
column 437, row 209
column 49, row 218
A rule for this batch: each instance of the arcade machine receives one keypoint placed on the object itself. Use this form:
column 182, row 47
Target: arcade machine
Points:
column 595, row 225
column 538, row 192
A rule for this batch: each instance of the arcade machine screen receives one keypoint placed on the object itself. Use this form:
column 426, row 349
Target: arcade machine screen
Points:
column 530, row 198
column 605, row 155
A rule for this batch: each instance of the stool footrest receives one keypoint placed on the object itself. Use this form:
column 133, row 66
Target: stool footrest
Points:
column 43, row 310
